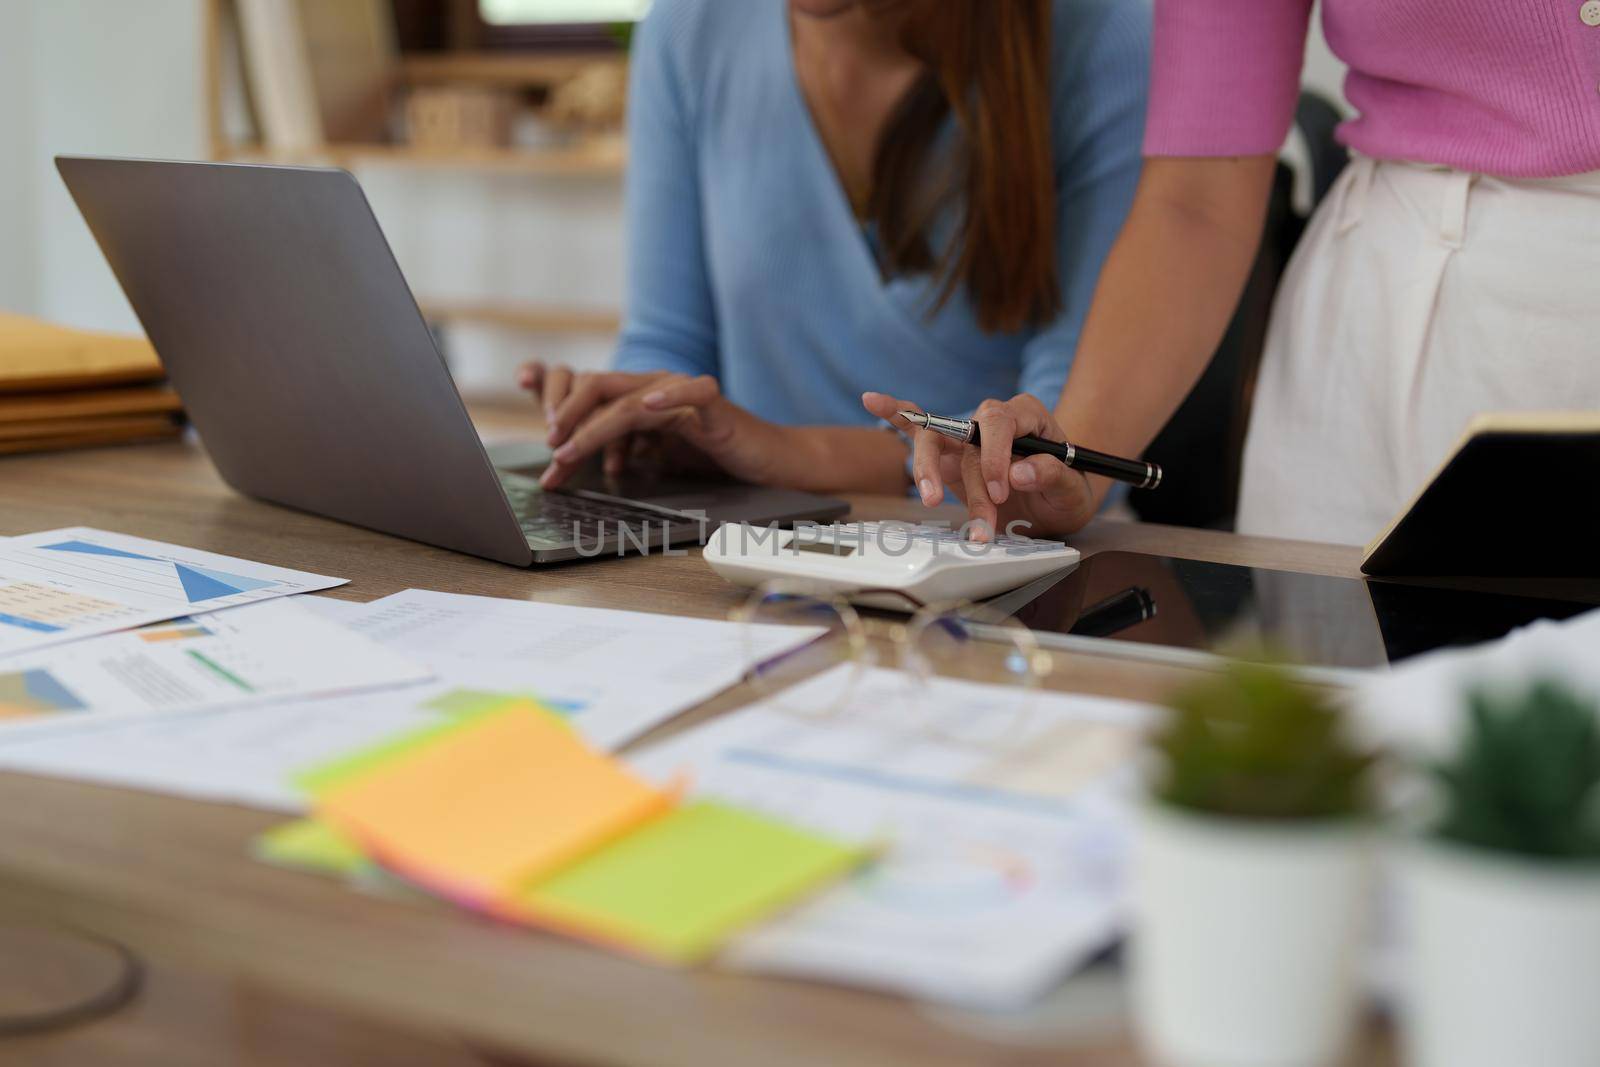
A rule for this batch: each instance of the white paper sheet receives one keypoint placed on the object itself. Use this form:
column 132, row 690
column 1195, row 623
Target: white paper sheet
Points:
column 617, row 673
column 61, row 585
column 244, row 756
column 260, row 653
column 1002, row 872
column 654, row 667
column 1417, row 708
column 333, row 609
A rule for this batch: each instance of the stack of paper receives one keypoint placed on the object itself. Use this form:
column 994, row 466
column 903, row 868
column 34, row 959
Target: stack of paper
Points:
column 478, row 648
column 99, row 628
column 510, row 812
column 572, row 656
column 272, row 651
column 996, row 871
column 63, row 388
column 1001, row 868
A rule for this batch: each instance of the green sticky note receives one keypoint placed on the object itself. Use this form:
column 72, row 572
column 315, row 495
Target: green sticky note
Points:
column 313, row 845
column 464, row 706
column 680, row 885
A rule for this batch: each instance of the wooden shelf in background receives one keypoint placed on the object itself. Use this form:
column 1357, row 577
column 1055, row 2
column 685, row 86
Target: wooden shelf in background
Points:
column 526, row 318
column 594, row 157
column 504, row 69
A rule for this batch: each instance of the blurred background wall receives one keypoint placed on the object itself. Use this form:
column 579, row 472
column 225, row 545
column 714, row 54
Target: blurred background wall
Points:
column 130, row 77
column 16, row 151
column 96, row 76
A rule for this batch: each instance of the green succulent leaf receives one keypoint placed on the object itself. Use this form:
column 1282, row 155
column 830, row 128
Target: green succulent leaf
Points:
column 1526, row 778
column 1254, row 742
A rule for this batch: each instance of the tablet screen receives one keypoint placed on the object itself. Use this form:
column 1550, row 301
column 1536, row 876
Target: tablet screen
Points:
column 1217, row 607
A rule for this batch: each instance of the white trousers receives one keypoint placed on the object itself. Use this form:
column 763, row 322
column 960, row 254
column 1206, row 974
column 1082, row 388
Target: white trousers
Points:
column 1418, row 298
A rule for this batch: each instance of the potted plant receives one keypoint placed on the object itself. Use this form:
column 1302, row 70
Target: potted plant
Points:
column 1253, row 860
column 1502, row 898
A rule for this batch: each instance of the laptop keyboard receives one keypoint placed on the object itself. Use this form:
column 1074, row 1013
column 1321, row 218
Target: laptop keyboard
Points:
column 555, row 520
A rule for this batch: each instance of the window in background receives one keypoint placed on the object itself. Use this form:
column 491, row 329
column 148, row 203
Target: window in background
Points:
column 546, row 12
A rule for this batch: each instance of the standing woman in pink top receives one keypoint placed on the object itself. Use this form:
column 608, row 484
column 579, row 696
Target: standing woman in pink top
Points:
column 1453, row 269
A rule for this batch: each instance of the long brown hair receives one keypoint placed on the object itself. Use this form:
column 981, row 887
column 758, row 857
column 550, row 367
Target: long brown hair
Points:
column 988, row 64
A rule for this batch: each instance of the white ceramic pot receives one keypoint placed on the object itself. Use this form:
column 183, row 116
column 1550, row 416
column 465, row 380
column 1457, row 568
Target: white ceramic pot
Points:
column 1247, row 938
column 1503, row 959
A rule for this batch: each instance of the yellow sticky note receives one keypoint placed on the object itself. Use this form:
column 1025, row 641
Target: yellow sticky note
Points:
column 680, row 885
column 502, row 798
column 311, row 845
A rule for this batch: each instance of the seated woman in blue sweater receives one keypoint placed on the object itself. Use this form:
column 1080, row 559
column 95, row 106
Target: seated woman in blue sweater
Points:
column 829, row 195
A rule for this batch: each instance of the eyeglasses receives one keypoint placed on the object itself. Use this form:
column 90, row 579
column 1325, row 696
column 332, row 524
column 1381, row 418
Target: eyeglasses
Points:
column 959, row 639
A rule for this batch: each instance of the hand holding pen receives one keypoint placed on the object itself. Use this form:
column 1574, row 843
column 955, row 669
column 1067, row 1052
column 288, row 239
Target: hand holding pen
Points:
column 1040, row 489
column 1140, row 473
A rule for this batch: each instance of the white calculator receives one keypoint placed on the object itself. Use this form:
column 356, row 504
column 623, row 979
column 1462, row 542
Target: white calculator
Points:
column 930, row 563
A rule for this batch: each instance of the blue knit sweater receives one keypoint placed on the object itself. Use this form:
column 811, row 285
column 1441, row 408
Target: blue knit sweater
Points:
column 746, row 261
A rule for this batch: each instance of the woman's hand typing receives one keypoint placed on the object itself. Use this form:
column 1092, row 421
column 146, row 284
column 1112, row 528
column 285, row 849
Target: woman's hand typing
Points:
column 611, row 412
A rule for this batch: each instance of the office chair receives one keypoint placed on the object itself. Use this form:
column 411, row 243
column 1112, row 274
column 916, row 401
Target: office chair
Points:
column 1201, row 447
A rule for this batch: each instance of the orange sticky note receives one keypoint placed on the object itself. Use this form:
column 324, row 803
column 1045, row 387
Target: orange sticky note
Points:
column 507, row 797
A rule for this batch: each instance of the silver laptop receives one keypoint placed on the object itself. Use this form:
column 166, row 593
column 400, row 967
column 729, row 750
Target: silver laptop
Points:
column 286, row 325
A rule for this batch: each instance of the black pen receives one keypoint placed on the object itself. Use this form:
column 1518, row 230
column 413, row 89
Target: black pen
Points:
column 1137, row 472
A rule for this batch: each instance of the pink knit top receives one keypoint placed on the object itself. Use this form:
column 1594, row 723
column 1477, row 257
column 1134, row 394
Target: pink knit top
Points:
column 1504, row 87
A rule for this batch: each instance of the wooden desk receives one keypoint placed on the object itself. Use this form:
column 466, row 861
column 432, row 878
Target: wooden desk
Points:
column 173, row 878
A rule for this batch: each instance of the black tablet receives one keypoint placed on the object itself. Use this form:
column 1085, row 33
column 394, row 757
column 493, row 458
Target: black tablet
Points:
column 1170, row 607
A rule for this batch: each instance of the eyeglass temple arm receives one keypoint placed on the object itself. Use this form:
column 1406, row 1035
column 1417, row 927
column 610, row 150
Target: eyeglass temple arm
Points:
column 761, row 666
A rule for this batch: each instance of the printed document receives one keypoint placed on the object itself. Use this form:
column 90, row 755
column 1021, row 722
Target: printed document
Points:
column 270, row 651
column 1004, row 830
column 615, row 673
column 60, row 585
column 655, row 666
column 242, row 756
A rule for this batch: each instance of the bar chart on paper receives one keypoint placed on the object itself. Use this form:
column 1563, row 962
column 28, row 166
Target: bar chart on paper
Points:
column 25, row 694
column 64, row 584
column 258, row 654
